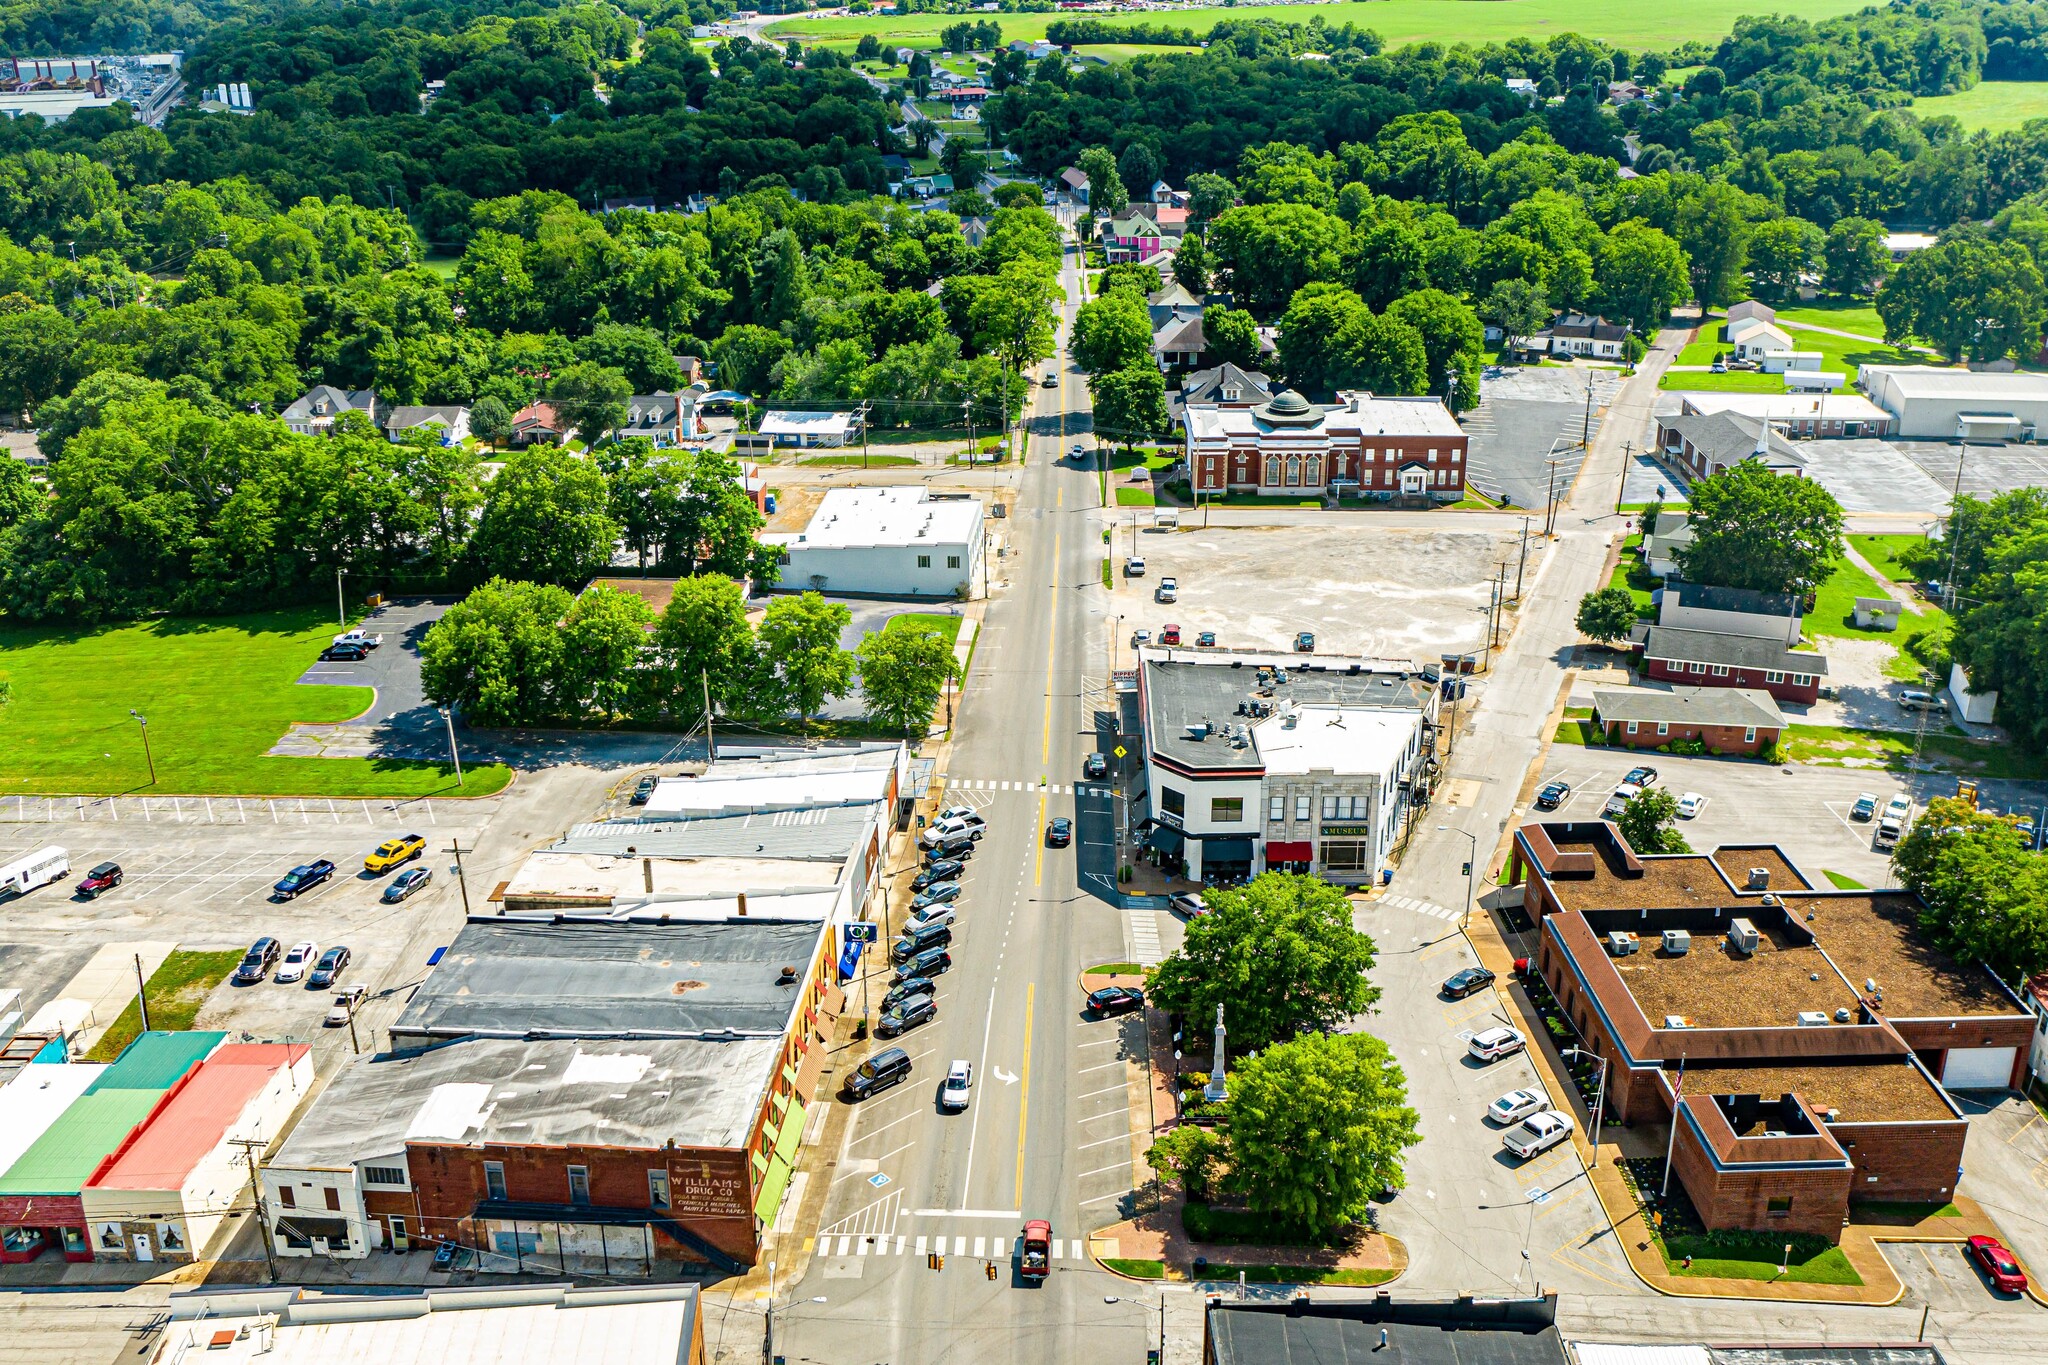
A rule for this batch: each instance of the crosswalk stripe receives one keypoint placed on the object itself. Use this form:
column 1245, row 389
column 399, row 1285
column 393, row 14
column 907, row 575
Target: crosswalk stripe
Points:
column 920, row 1247
column 845, row 1244
column 980, row 1247
column 959, row 1246
column 899, row 1246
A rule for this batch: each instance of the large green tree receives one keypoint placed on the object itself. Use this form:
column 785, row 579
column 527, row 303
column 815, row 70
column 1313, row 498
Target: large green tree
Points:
column 903, row 674
column 800, row 647
column 703, row 649
column 1267, row 252
column 1112, row 332
column 1106, row 192
column 1650, row 822
column 1996, row 551
column 1606, row 615
column 604, row 644
column 1782, row 253
column 1232, row 336
column 1453, row 343
column 497, row 655
column 1642, row 275
column 1985, row 897
column 1764, row 531
column 1854, row 258
column 590, row 399
column 1279, row 954
column 1319, row 1124
column 1129, row 404
column 1968, row 296
column 547, row 518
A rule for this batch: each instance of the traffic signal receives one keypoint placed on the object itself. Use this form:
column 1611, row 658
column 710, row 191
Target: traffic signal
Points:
column 935, row 1260
column 991, row 1270
column 1465, row 871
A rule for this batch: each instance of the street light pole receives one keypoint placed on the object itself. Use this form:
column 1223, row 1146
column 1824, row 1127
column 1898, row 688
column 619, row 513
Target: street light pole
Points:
column 148, row 757
column 340, row 602
column 1599, row 1092
column 449, row 719
column 768, row 1337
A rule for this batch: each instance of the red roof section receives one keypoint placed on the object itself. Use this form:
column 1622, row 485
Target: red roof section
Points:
column 196, row 1116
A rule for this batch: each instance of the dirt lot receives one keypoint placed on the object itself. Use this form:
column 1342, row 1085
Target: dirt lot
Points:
column 1391, row 594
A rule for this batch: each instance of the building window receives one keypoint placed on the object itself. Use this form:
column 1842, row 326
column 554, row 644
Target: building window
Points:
column 1226, row 810
column 1346, row 855
column 1803, row 679
column 1663, row 728
column 1697, row 668
column 1172, row 802
column 1294, row 471
column 1301, row 808
column 1273, row 470
column 952, row 561
column 1774, row 677
column 494, row 1180
column 657, row 1189
column 333, row 1198
column 1456, row 456
column 579, row 1184
column 1344, row 807
column 290, row 1199
column 383, row 1175
column 1631, row 727
column 1749, row 734
column 1432, row 457
column 1778, row 1206
column 1720, row 670
column 1276, row 809
column 1314, row 474
column 924, row 561
column 1209, row 465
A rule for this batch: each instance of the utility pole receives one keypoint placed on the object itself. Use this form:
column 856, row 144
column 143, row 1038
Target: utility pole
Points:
column 1162, row 1326
column 150, row 758
column 250, row 1147
column 1628, row 455
column 710, row 739
column 353, row 1046
column 864, row 433
column 1500, row 596
column 1523, row 562
column 448, row 718
column 455, row 847
column 340, row 603
column 967, row 411
column 768, row 1337
column 141, row 993
column 1586, row 432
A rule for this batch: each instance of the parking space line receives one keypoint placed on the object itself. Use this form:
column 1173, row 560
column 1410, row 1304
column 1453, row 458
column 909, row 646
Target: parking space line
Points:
column 1093, row 1093
column 1104, row 1142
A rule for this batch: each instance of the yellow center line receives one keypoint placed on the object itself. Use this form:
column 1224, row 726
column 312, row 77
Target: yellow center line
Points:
column 1024, row 1092
column 1052, row 627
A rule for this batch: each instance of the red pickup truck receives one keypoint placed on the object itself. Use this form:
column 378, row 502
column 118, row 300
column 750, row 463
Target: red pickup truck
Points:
column 1037, row 1249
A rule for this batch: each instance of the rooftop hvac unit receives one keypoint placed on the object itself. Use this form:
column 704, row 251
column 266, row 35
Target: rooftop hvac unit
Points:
column 1677, row 1021
column 1813, row 1018
column 1677, row 942
column 1759, row 878
column 1621, row 943
column 1742, row 936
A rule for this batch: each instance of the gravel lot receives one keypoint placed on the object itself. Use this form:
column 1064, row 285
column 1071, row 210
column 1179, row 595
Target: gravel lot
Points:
column 1391, row 594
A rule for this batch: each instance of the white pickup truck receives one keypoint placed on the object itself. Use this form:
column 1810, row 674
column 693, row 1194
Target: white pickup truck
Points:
column 359, row 637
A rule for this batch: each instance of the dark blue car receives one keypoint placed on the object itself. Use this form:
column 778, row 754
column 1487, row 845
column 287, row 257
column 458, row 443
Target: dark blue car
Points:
column 302, row 879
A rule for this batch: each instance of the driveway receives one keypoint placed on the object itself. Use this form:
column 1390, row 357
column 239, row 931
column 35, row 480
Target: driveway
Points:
column 2005, row 1169
column 400, row 721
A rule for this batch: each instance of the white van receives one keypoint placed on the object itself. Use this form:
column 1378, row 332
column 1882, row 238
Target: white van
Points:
column 39, row 868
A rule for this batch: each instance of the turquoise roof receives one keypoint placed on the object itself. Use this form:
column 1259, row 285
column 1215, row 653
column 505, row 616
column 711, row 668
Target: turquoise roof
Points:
column 156, row 1060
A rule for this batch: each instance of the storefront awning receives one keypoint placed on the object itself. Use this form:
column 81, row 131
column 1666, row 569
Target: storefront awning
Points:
column 1302, row 852
column 1986, row 419
column 1166, row 839
column 774, row 1183
column 1226, row 851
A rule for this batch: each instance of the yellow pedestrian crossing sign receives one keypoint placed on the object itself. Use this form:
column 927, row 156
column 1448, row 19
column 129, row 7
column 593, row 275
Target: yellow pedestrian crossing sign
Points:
column 1120, row 751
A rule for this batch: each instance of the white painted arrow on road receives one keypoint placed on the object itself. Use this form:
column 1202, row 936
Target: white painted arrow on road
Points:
column 1005, row 1077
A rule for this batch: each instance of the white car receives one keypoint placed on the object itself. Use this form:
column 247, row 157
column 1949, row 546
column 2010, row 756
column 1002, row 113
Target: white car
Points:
column 1168, row 589
column 346, row 1002
column 298, row 962
column 1496, row 1043
column 1517, row 1104
column 959, row 1081
column 1134, row 567
column 1618, row 802
column 1898, row 808
column 1691, row 804
column 1537, row 1133
column 928, row 916
column 1191, row 904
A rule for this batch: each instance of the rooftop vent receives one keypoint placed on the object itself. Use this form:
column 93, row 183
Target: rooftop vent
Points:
column 787, row 975
column 1621, row 943
column 1198, row 731
column 1759, row 878
column 1677, row 1021
column 1813, row 1018
column 1842, row 1015
column 1769, row 899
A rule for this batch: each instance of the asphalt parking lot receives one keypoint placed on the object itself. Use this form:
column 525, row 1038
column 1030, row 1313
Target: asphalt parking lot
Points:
column 207, row 886
column 399, row 719
column 1397, row 594
column 1941, row 1276
column 1874, row 476
column 1524, row 414
column 2005, row 1169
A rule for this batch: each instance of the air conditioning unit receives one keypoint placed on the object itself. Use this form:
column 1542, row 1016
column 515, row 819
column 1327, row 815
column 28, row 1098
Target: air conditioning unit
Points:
column 1621, row 943
column 1677, row 942
column 1677, row 1021
column 1813, row 1018
column 1742, row 936
column 1759, row 878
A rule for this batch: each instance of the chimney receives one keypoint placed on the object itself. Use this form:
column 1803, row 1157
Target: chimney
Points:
column 743, row 904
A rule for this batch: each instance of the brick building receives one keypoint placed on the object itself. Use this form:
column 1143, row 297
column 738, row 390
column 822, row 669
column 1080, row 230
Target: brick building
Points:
column 1705, row 658
column 1806, row 1039
column 1727, row 720
column 1368, row 446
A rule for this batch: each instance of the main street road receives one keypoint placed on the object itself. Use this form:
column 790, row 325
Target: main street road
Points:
column 1047, row 1134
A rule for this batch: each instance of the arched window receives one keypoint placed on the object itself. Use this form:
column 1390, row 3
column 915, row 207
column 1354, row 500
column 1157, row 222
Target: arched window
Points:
column 1314, row 475
column 1294, row 471
column 1272, row 470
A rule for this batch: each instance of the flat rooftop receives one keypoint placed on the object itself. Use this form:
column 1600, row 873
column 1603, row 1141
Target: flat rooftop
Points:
column 1341, row 739
column 619, row 1093
column 1183, row 690
column 1684, row 879
column 35, row 1099
column 824, row 834
column 71, row 1149
column 1739, row 860
column 1862, row 1091
column 770, row 785
column 604, row 879
column 1875, row 937
column 588, row 978
column 861, row 518
column 181, row 1134
column 1713, row 986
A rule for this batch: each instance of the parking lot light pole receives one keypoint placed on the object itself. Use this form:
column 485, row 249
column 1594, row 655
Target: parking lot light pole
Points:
column 448, row 718
column 1471, row 872
column 148, row 757
column 1599, row 1093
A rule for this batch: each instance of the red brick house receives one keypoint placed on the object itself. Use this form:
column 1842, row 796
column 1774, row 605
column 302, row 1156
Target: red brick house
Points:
column 1366, row 445
column 1727, row 720
column 1806, row 1040
column 1704, row 658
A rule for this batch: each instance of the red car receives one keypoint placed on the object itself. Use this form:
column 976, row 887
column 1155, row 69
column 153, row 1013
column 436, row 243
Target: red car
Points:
column 105, row 877
column 1998, row 1264
column 1169, row 635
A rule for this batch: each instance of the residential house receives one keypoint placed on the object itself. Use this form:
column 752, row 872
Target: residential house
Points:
column 1900, row 245
column 1753, row 338
column 1625, row 92
column 1375, row 447
column 1523, row 86
column 928, row 186
column 315, row 411
column 1731, row 611
column 1134, row 237
column 1172, row 219
column 1713, row 443
column 1177, row 340
column 538, row 424
column 1818, row 1035
column 693, row 370
column 667, row 419
column 1662, row 541
column 807, row 430
column 1727, row 720
column 1074, row 183
column 1706, row 658
column 1220, row 386
column 1745, row 311
column 450, row 422
column 1583, row 334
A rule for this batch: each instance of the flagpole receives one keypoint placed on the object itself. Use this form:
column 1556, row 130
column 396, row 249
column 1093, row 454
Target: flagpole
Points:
column 1677, row 1094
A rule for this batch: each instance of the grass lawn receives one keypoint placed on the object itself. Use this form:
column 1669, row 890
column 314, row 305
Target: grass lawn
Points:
column 1630, row 573
column 176, row 990
column 1128, row 495
column 1883, row 553
column 1842, row 314
column 944, row 622
column 1260, row 499
column 1114, row 969
column 444, row 266
column 1842, row 882
column 1709, row 345
column 1151, row 459
column 1834, row 614
column 1137, row 1270
column 218, row 694
column 1735, row 381
column 1123, row 52
column 1994, row 106
column 1893, row 751
column 1397, row 21
column 1754, row 1256
column 1108, row 581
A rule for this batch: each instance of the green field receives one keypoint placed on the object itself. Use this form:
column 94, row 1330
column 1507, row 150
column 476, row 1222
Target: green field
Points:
column 1123, row 52
column 1883, row 553
column 1396, row 21
column 944, row 622
column 218, row 693
column 176, row 991
column 1994, row 106
column 1754, row 1256
column 1892, row 750
column 1844, row 315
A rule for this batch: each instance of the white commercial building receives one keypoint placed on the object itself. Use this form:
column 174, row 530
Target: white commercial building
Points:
column 1948, row 405
column 1795, row 414
column 889, row 542
column 1259, row 762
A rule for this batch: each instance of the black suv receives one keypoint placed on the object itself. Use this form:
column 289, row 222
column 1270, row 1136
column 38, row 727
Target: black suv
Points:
column 888, row 1067
column 916, row 985
column 928, row 963
column 942, row 870
column 302, row 879
column 1095, row 766
column 258, row 961
column 917, row 941
column 918, row 1009
column 957, row 849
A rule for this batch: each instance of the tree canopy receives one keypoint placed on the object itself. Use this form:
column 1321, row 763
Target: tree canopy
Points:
column 1763, row 531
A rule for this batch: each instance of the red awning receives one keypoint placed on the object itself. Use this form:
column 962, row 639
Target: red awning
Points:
column 1303, row 852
